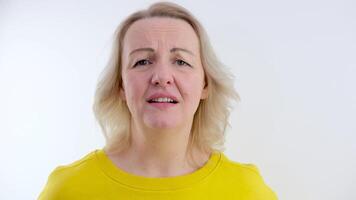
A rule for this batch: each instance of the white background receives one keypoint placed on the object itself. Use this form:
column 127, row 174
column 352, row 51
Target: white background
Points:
column 295, row 69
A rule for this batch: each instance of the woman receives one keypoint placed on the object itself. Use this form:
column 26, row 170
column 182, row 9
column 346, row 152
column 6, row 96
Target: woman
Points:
column 163, row 104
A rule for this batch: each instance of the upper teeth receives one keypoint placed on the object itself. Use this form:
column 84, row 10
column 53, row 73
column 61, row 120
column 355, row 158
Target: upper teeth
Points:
column 164, row 99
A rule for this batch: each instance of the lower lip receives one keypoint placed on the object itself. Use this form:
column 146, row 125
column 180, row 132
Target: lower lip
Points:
column 162, row 105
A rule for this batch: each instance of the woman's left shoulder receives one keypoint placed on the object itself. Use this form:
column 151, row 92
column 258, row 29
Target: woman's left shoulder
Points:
column 248, row 169
column 248, row 175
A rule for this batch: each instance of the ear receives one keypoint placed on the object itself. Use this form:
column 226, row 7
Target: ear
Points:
column 122, row 93
column 204, row 93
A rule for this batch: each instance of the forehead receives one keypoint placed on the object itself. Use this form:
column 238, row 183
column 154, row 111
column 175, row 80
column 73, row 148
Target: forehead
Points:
column 158, row 32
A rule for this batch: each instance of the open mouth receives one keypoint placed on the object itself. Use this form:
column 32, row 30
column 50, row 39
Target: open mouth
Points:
column 162, row 100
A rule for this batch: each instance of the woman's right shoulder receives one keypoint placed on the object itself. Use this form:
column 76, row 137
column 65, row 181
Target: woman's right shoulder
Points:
column 76, row 165
column 64, row 177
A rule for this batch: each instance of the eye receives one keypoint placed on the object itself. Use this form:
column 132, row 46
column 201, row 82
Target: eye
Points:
column 181, row 62
column 142, row 62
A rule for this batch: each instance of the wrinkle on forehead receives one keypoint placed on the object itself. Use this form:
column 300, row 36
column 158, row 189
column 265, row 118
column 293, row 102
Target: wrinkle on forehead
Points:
column 161, row 32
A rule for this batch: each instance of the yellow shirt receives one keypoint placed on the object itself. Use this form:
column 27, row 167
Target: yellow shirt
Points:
column 95, row 176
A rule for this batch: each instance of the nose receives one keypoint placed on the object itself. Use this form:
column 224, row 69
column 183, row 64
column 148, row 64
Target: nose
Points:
column 162, row 75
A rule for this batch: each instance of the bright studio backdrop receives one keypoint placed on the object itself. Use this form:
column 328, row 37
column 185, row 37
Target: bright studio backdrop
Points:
column 295, row 71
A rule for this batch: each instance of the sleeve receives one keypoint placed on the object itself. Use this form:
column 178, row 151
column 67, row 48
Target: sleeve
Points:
column 52, row 189
column 261, row 188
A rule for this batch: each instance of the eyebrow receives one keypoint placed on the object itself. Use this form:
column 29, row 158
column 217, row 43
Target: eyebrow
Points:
column 152, row 50
column 181, row 49
column 142, row 49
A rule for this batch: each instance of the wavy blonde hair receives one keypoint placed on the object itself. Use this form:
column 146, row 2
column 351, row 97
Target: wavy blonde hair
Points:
column 211, row 117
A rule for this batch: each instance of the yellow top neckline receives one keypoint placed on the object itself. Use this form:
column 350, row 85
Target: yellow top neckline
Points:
column 157, row 183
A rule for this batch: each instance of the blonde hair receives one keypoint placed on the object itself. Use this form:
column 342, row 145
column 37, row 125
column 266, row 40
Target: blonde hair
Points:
column 211, row 117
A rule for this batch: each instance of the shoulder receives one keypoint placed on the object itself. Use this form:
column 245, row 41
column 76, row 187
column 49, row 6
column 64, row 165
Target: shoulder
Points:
column 238, row 168
column 247, row 176
column 80, row 164
column 65, row 177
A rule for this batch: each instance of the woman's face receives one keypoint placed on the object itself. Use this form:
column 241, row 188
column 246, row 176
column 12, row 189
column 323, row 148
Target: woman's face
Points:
column 162, row 73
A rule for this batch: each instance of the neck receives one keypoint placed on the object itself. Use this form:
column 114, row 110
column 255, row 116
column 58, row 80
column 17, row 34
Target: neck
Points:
column 160, row 153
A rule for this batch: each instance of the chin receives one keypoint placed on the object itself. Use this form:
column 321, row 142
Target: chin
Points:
column 161, row 124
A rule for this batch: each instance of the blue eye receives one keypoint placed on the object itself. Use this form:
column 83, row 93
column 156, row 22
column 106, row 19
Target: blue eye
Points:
column 181, row 62
column 142, row 62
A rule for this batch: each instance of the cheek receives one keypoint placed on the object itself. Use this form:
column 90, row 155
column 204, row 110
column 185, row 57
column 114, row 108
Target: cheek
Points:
column 134, row 88
column 192, row 87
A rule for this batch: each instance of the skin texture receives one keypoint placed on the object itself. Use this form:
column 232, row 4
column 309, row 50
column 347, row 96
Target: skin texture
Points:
column 168, row 62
